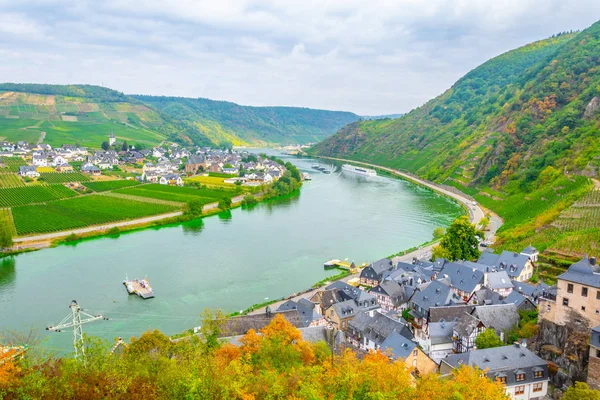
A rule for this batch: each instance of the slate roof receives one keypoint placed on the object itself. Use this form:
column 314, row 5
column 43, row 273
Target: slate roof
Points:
column 481, row 267
column 377, row 269
column 529, row 290
column 486, row 296
column 346, row 309
column 462, row 277
column 466, row 324
column 351, row 292
column 517, row 299
column 530, row 250
column 499, row 280
column 441, row 332
column 506, row 360
column 394, row 290
column 501, row 317
column 511, row 262
column 398, row 345
column 434, row 295
column 27, row 168
column 449, row 313
column 584, row 272
column 306, row 313
column 378, row 327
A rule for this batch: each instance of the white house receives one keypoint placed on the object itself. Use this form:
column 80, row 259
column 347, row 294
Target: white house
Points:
column 171, row 179
column 39, row 161
column 59, row 160
column 28, row 171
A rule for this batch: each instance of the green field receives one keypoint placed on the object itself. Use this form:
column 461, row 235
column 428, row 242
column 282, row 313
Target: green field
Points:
column 103, row 186
column 57, row 177
column 80, row 212
column 10, row 180
column 6, row 223
column 174, row 193
column 12, row 164
column 17, row 196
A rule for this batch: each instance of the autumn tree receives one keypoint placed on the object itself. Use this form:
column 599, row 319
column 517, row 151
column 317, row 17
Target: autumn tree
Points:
column 581, row 391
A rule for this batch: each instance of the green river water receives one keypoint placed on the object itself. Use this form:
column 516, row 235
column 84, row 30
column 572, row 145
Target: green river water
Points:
column 229, row 261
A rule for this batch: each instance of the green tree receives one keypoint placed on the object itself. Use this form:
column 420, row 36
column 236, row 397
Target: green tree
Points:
column 105, row 146
column 124, row 146
column 581, row 391
column 5, row 238
column 460, row 241
column 225, row 204
column 194, row 208
column 488, row 339
column 438, row 232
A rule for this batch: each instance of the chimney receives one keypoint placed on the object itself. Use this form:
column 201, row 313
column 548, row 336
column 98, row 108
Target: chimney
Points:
column 517, row 344
column 524, row 343
column 592, row 260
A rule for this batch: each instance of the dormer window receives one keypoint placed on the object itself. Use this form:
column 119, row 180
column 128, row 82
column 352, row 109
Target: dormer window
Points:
column 520, row 377
column 539, row 373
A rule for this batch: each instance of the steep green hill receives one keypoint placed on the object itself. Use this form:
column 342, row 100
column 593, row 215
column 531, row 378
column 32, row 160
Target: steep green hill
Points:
column 242, row 125
column 519, row 133
column 72, row 114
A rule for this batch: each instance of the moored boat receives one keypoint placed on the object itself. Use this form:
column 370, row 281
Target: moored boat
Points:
column 359, row 170
column 141, row 287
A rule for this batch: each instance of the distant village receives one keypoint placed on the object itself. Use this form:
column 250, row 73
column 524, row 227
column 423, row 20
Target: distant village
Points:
column 166, row 165
column 430, row 314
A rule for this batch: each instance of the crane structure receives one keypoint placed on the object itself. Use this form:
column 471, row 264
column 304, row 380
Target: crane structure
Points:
column 74, row 320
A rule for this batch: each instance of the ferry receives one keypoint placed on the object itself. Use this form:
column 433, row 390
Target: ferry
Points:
column 359, row 170
column 141, row 287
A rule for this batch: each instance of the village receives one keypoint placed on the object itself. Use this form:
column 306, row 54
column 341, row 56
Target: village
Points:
column 166, row 165
column 434, row 315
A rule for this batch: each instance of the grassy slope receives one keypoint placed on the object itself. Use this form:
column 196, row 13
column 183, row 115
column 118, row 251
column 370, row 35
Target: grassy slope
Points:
column 511, row 133
column 225, row 121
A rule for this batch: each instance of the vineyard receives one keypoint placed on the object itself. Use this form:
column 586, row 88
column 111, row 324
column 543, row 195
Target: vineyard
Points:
column 81, row 212
column 12, row 164
column 7, row 228
column 103, row 186
column 8, row 180
column 56, row 177
column 179, row 194
column 16, row 196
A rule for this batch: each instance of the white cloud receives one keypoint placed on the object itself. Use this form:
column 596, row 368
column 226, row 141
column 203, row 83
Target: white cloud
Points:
column 367, row 56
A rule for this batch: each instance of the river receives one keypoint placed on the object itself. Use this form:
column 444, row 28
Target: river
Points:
column 230, row 261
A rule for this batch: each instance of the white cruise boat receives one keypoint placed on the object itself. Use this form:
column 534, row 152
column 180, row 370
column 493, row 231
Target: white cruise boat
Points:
column 359, row 170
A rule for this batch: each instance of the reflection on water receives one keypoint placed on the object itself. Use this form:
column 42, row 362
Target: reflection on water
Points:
column 8, row 272
column 193, row 227
column 225, row 216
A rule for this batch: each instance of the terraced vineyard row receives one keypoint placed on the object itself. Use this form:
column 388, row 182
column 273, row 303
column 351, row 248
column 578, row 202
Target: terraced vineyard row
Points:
column 81, row 212
column 179, row 194
column 10, row 180
column 103, row 186
column 13, row 163
column 16, row 196
column 57, row 177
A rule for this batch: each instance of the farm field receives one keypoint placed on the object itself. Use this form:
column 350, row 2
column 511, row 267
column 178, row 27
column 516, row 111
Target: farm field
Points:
column 180, row 194
column 210, row 181
column 12, row 164
column 17, row 196
column 8, row 180
column 57, row 177
column 81, row 212
column 103, row 186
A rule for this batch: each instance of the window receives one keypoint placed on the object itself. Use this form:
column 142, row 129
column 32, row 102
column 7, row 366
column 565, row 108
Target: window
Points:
column 537, row 387
column 520, row 377
column 598, row 295
column 519, row 390
column 502, row 379
column 597, row 312
column 415, row 353
column 570, row 288
column 565, row 301
column 539, row 374
column 584, row 291
column 582, row 308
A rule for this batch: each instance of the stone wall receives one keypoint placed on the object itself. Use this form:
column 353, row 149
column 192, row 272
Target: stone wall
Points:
column 594, row 373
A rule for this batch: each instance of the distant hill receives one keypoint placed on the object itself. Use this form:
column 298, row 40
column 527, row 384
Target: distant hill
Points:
column 223, row 121
column 520, row 133
column 370, row 117
column 87, row 114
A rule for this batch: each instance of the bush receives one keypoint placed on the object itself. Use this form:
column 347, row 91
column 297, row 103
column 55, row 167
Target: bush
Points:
column 249, row 200
column 225, row 204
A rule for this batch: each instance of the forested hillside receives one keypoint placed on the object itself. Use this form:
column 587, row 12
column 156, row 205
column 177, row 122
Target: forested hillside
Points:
column 242, row 125
column 520, row 133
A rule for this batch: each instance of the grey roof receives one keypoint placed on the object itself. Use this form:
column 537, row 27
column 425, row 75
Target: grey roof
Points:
column 466, row 324
column 499, row 280
column 394, row 290
column 481, row 267
column 501, row 317
column 462, row 277
column 378, row 327
column 346, row 309
column 441, row 332
column 398, row 345
column 505, row 360
column 449, row 313
column 583, row 272
column 517, row 299
column 434, row 295
column 486, row 296
column 306, row 313
column 511, row 262
column 530, row 250
column 529, row 290
column 376, row 270
column 351, row 292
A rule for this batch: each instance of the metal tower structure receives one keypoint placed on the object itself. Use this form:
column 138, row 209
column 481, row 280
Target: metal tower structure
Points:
column 75, row 322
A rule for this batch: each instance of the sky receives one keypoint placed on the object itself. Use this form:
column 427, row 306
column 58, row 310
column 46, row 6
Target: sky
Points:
column 370, row 57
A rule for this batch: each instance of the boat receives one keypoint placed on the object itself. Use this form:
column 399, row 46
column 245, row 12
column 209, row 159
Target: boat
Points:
column 316, row 166
column 359, row 170
column 141, row 287
column 326, row 171
column 307, row 176
column 331, row 264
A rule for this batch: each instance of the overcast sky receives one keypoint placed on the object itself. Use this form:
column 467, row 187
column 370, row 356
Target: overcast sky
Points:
column 370, row 57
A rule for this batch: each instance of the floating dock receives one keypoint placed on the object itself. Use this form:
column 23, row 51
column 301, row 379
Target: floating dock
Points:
column 141, row 287
column 346, row 265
